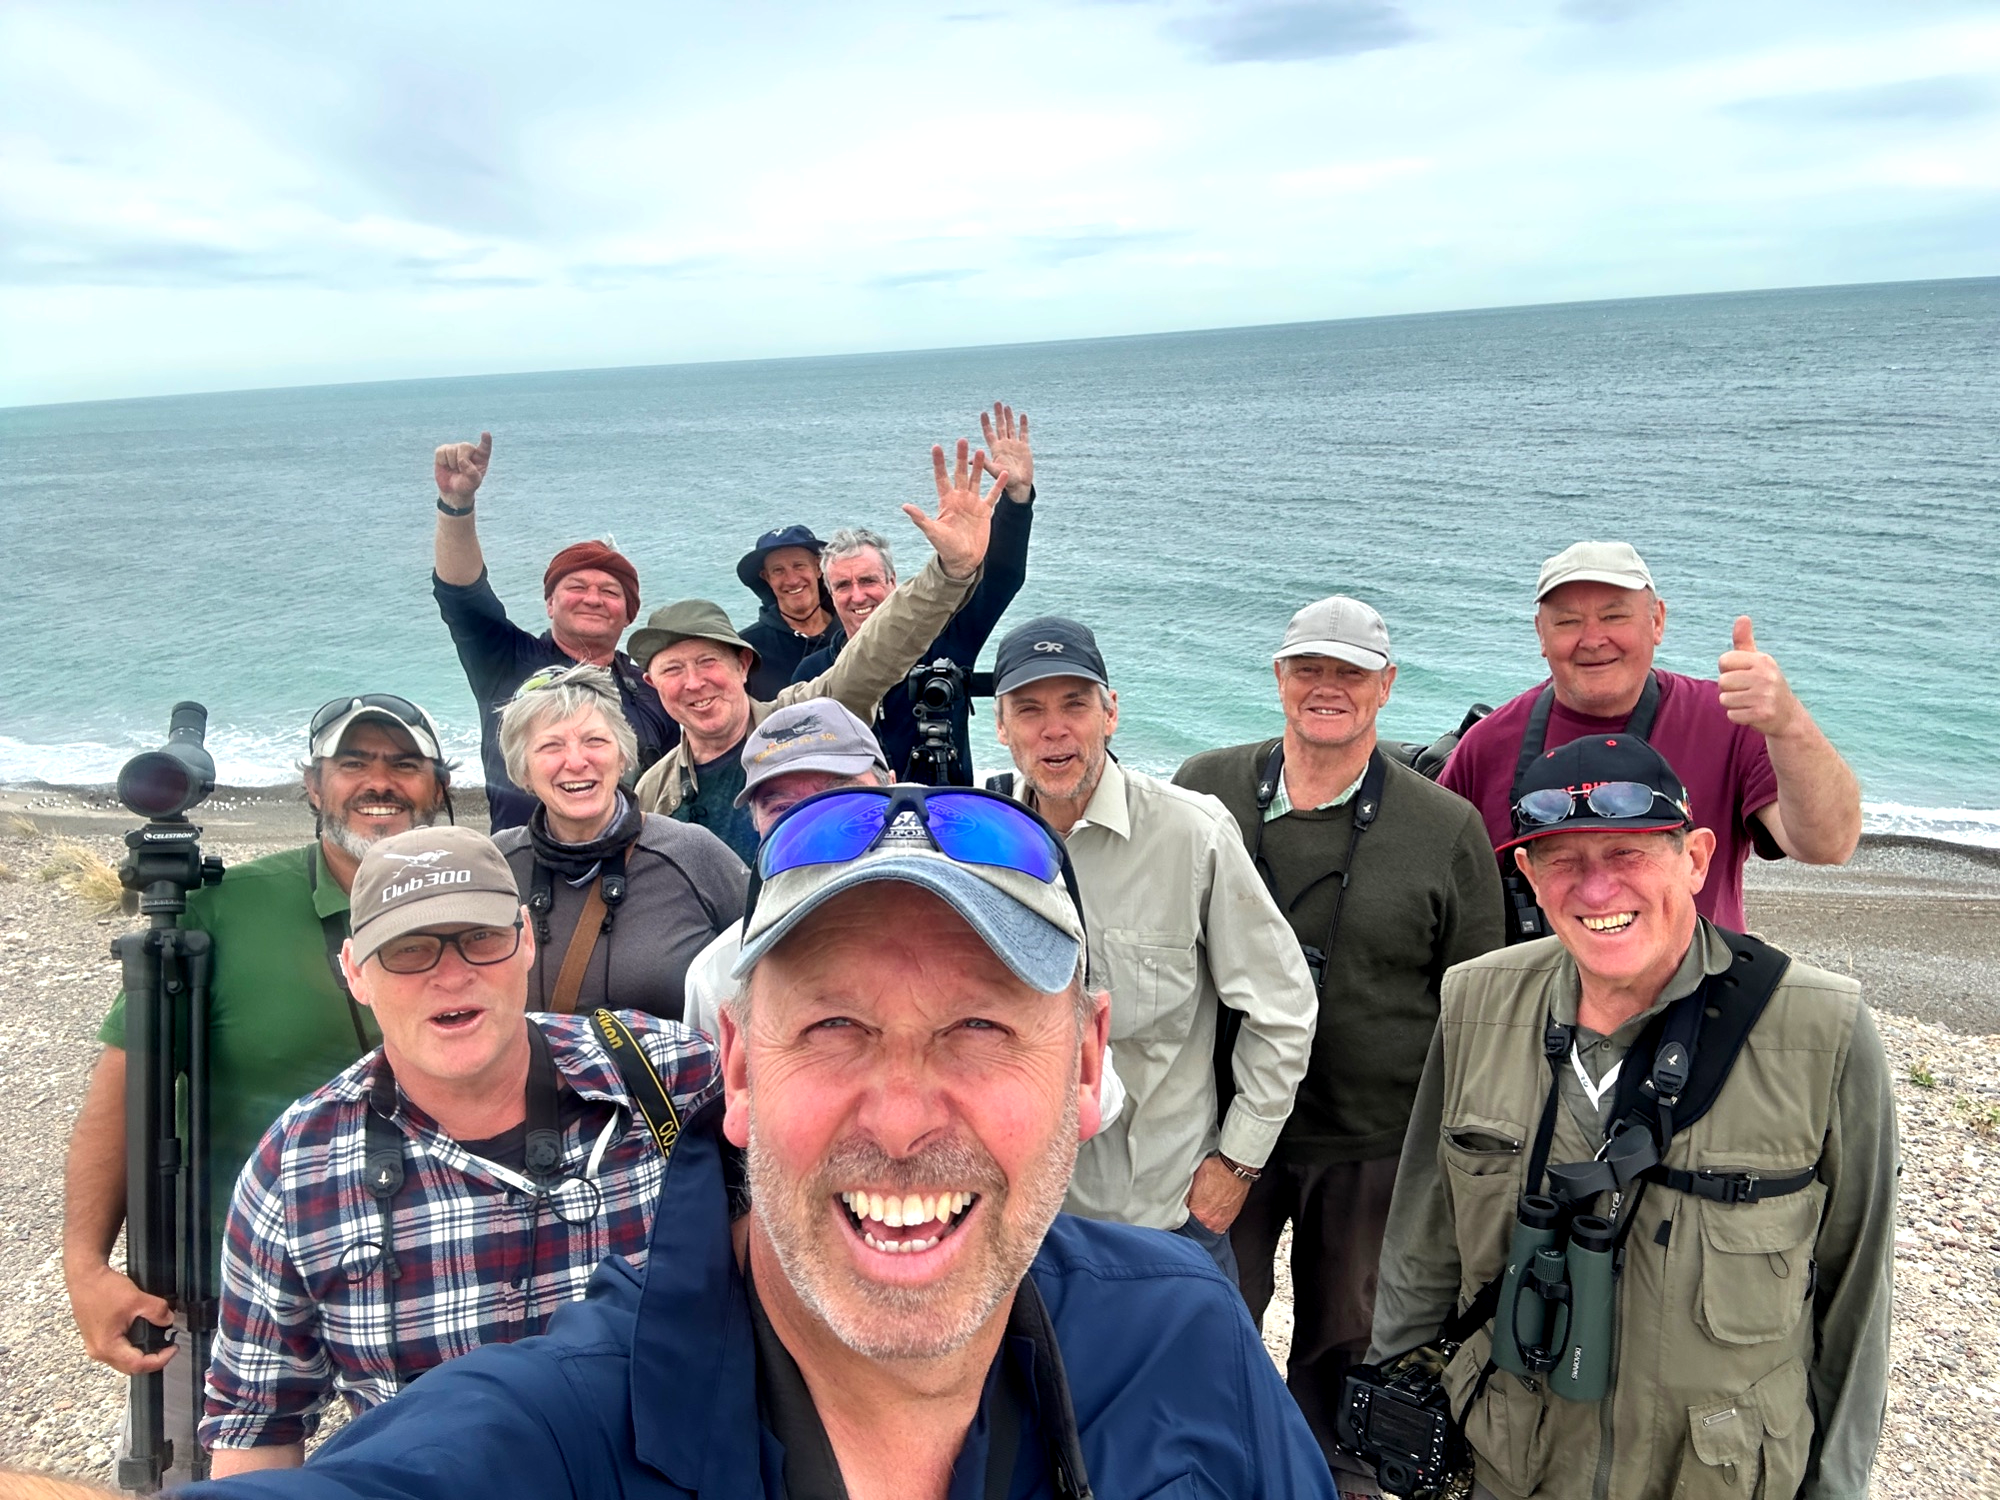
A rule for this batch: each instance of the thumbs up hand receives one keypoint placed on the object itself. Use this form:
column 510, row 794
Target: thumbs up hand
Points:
column 1754, row 690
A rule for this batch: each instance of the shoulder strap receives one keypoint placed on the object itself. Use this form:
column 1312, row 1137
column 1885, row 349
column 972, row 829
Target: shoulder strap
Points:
column 1646, row 709
column 1001, row 782
column 333, row 928
column 642, row 1081
column 384, row 1177
column 1533, row 738
column 582, row 943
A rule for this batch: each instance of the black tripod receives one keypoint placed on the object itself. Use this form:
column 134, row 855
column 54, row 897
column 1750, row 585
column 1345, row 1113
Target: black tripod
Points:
column 169, row 1250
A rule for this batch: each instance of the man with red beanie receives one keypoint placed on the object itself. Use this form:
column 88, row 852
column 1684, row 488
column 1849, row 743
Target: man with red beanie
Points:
column 591, row 592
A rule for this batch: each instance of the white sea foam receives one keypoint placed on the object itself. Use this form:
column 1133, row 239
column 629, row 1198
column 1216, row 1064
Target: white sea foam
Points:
column 1952, row 825
column 241, row 759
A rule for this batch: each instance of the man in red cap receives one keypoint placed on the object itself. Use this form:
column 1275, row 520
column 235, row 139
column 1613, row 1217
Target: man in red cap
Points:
column 591, row 592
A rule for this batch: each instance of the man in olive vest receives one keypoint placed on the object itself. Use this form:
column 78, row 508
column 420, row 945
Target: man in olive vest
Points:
column 1723, row 1112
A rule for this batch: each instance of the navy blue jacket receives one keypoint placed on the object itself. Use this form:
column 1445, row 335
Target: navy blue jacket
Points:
column 962, row 640
column 498, row 656
column 647, row 1388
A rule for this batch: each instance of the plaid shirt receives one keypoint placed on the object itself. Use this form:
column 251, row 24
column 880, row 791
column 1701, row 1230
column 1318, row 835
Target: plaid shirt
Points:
column 303, row 1309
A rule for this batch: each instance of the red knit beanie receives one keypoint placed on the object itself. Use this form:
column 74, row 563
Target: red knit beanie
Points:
column 582, row 555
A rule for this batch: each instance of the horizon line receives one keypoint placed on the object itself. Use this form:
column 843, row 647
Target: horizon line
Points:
column 889, row 353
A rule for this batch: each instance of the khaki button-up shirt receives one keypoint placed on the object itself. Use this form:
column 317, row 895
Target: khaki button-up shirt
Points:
column 1180, row 924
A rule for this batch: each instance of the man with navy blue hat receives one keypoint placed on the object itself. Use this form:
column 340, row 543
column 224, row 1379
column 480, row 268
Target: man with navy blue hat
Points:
column 795, row 616
column 1708, row 1114
column 903, row 1311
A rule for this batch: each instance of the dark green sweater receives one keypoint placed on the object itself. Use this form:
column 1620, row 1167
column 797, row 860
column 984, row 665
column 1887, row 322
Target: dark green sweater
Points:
column 1424, row 895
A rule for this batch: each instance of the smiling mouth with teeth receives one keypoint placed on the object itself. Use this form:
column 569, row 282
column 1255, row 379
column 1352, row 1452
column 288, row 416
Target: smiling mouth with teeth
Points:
column 905, row 1224
column 1617, row 922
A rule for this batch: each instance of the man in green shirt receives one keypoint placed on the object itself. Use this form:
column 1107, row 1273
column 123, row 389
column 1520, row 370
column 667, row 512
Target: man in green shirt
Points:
column 280, row 1022
column 1389, row 880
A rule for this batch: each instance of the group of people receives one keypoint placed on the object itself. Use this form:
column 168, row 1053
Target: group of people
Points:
column 849, row 1136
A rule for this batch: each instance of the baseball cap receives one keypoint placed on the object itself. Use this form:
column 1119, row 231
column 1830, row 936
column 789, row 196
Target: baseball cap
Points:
column 1340, row 627
column 684, row 620
column 1616, row 563
column 815, row 735
column 427, row 877
column 751, row 566
column 1033, row 924
column 338, row 715
column 1602, row 783
column 1047, row 646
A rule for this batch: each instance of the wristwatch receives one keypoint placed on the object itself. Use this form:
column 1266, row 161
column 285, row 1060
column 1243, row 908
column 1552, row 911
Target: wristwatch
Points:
column 1237, row 1170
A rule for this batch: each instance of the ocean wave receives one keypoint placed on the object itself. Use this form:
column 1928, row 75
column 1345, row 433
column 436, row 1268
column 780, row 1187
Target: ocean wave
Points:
column 1952, row 825
column 242, row 758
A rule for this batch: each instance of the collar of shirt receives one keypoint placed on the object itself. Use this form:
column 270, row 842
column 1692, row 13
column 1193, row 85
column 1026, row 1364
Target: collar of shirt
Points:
column 1108, row 808
column 1707, row 954
column 1282, row 802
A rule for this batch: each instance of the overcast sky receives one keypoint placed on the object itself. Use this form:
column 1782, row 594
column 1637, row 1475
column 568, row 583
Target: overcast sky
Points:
column 211, row 196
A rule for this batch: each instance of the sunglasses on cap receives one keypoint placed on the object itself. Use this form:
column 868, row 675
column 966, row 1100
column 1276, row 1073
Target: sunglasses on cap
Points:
column 550, row 677
column 401, row 709
column 1608, row 799
column 966, row 825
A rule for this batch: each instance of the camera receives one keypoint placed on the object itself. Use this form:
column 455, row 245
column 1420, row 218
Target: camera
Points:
column 936, row 688
column 1396, row 1416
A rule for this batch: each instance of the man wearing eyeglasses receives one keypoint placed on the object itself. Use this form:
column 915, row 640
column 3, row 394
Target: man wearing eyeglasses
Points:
column 1760, row 773
column 909, row 1062
column 499, row 1157
column 1710, row 1126
column 590, row 592
column 280, row 1020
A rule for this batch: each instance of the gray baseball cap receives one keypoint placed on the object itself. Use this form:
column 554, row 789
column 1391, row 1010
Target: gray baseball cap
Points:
column 683, row 620
column 815, row 735
column 1616, row 563
column 1340, row 627
column 427, row 877
column 1031, row 925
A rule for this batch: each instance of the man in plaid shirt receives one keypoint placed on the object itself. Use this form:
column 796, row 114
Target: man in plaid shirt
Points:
column 523, row 1156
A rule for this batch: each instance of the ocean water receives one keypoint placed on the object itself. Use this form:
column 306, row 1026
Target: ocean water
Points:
column 1823, row 460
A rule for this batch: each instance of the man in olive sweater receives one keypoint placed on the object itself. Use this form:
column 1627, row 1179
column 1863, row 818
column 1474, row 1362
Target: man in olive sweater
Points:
column 1387, row 880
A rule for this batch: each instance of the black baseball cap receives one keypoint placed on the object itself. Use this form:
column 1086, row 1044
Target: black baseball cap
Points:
column 1602, row 783
column 1047, row 646
column 751, row 569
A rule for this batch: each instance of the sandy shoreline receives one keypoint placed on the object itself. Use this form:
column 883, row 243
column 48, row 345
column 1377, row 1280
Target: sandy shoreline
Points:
column 1918, row 923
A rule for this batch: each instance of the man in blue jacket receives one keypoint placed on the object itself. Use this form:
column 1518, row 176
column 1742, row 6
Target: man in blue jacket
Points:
column 860, row 573
column 902, row 1312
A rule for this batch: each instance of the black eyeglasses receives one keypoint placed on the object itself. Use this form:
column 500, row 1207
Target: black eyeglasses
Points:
column 1608, row 799
column 419, row 952
column 389, row 703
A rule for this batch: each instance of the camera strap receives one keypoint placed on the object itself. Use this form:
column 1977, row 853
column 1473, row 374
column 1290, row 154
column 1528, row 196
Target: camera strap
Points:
column 333, row 929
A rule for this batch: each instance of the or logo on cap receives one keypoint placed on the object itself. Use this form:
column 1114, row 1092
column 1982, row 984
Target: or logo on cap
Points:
column 1055, row 646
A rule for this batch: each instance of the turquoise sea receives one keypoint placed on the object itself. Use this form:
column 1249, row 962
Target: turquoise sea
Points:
column 1824, row 460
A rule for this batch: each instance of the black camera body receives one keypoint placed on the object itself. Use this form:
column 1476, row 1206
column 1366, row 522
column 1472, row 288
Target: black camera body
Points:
column 936, row 688
column 1397, row 1417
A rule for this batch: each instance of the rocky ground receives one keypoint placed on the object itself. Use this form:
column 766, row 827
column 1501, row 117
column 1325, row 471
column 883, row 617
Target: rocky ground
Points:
column 1920, row 927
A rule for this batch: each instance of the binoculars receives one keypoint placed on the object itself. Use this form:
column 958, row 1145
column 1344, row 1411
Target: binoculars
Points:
column 1556, row 1296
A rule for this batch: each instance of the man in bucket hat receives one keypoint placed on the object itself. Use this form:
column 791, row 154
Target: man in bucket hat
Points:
column 591, row 593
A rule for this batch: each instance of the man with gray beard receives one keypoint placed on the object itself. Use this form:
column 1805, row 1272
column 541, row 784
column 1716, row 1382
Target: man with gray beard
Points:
column 903, row 1312
column 281, row 1022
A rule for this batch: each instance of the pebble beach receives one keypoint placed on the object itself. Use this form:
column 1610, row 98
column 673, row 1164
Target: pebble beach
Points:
column 1918, row 923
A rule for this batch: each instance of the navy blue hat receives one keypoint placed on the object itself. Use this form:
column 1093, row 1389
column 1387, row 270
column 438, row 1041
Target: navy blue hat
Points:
column 751, row 568
column 1047, row 646
column 1602, row 783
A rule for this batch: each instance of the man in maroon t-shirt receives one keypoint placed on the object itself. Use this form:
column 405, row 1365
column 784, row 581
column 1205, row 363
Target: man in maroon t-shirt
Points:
column 1758, row 770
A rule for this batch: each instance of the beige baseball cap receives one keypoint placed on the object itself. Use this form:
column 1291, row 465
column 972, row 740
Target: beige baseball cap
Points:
column 1340, row 627
column 428, row 877
column 1616, row 563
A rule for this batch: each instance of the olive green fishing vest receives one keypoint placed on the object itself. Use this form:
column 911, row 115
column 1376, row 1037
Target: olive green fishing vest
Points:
column 1714, row 1327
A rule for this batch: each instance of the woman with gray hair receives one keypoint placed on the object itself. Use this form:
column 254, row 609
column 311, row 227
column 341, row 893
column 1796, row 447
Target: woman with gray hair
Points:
column 622, row 900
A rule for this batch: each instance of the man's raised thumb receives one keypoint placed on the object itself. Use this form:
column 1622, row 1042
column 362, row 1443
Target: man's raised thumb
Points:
column 1744, row 640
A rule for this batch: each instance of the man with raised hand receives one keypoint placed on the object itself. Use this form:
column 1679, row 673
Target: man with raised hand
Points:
column 1688, row 1136
column 591, row 593
column 281, row 1021
column 1387, row 881
column 860, row 572
column 1760, row 774
column 1180, row 928
column 903, row 1314
column 454, row 1187
column 700, row 666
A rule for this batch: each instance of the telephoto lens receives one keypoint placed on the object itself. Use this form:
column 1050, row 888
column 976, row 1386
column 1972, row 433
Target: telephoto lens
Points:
column 1522, row 1318
column 1583, row 1369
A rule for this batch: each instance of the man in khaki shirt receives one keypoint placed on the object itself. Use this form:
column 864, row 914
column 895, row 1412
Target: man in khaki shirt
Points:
column 1179, row 926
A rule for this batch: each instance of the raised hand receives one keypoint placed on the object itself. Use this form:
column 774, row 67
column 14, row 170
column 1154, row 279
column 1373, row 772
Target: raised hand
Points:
column 964, row 522
column 1007, row 442
column 1754, row 691
column 461, row 467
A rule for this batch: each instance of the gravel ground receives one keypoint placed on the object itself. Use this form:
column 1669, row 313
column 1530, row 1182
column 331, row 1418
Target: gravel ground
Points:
column 1919, row 926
